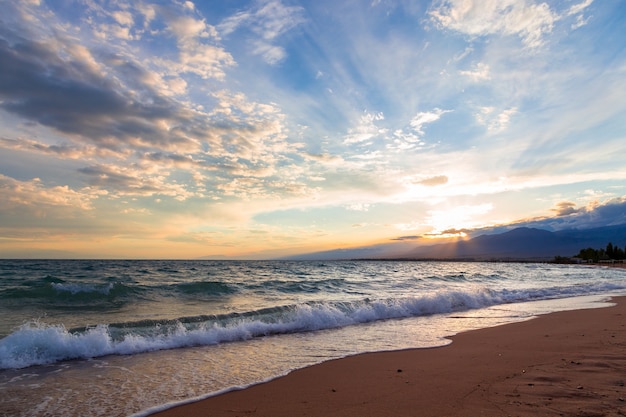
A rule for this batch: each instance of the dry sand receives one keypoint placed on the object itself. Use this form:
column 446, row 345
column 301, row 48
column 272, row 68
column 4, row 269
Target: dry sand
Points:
column 562, row 364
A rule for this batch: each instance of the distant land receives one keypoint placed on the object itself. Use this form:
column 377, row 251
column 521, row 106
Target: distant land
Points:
column 522, row 243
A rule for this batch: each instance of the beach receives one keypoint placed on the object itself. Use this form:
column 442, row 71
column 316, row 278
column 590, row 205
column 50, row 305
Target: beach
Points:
column 130, row 338
column 570, row 363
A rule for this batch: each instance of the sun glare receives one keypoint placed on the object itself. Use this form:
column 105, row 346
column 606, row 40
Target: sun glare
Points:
column 451, row 223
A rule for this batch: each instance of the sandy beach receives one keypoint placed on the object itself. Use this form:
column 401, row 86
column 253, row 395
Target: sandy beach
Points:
column 563, row 364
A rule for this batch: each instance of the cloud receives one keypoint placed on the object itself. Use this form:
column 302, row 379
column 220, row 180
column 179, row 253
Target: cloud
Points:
column 268, row 21
column 65, row 94
column 135, row 181
column 358, row 207
column 410, row 137
column 448, row 233
column 480, row 72
column 528, row 20
column 366, row 129
column 595, row 214
column 579, row 7
column 34, row 197
column 124, row 18
column 167, row 109
column 197, row 43
column 611, row 212
column 65, row 150
column 196, row 54
column 122, row 114
column 423, row 118
column 565, row 208
column 495, row 121
column 577, row 11
column 433, row 181
column 407, row 238
column 105, row 94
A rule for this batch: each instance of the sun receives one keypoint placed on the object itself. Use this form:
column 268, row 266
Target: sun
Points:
column 454, row 221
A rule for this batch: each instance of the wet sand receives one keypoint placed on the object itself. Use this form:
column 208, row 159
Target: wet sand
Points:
column 569, row 363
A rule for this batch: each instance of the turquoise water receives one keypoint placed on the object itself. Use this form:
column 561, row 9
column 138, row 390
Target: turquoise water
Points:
column 148, row 333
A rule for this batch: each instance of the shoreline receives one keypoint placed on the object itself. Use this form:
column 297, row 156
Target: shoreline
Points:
column 563, row 363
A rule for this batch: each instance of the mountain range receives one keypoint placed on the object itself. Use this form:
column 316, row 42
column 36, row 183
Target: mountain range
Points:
column 522, row 243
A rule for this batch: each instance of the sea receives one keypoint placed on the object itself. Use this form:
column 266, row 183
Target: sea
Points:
column 131, row 337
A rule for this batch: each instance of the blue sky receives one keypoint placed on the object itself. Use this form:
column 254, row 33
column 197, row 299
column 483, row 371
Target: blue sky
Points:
column 179, row 129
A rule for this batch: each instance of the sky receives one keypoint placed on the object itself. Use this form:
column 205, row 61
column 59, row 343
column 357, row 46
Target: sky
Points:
column 266, row 128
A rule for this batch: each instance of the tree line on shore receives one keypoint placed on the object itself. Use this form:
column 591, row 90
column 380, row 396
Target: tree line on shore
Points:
column 611, row 252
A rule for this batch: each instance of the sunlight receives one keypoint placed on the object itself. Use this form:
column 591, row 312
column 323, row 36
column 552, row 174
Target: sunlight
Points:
column 452, row 222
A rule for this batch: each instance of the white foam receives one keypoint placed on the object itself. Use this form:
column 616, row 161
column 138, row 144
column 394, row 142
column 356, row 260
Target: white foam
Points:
column 76, row 288
column 37, row 343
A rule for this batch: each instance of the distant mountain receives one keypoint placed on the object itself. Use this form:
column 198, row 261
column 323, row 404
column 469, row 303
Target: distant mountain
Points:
column 518, row 243
column 388, row 250
column 523, row 243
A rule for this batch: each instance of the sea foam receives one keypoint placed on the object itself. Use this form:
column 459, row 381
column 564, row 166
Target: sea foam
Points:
column 37, row 343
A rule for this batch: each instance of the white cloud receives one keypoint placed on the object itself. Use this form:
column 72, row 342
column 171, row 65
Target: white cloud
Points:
column 83, row 55
column 366, row 128
column 423, row 118
column 411, row 136
column 271, row 54
column 274, row 19
column 358, row 207
column 460, row 56
column 269, row 20
column 432, row 181
column 495, row 121
column 579, row 8
column 34, row 196
column 198, row 53
column 148, row 128
column 480, row 72
column 580, row 22
column 124, row 18
column 528, row 20
column 207, row 61
column 136, row 180
column 148, row 12
column 188, row 29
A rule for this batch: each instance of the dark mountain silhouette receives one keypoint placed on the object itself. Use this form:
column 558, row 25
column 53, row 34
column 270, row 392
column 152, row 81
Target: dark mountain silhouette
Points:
column 518, row 243
column 388, row 250
column 523, row 243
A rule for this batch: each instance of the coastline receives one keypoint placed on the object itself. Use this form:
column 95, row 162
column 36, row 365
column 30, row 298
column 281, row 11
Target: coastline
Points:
column 564, row 363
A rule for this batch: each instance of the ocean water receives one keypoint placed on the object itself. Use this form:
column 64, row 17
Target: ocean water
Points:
column 119, row 338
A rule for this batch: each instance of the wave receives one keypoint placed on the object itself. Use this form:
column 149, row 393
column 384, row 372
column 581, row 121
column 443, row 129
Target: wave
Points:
column 55, row 290
column 302, row 285
column 36, row 343
column 205, row 288
column 59, row 290
column 76, row 288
